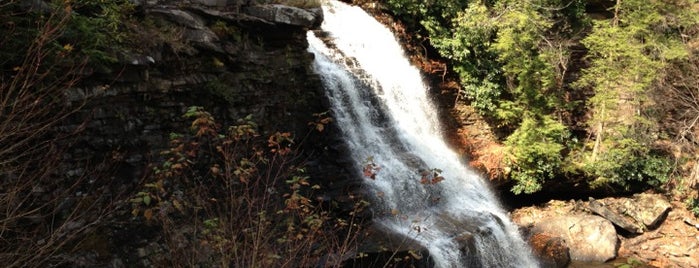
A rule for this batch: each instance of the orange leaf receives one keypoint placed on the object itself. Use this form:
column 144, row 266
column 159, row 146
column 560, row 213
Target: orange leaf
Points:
column 148, row 214
column 437, row 179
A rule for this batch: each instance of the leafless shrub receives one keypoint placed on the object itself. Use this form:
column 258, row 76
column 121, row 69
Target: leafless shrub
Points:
column 42, row 213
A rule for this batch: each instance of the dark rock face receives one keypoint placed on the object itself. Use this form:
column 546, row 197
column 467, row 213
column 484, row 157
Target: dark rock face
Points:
column 232, row 64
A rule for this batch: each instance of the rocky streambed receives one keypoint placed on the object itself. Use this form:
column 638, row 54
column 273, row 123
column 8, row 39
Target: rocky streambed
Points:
column 643, row 230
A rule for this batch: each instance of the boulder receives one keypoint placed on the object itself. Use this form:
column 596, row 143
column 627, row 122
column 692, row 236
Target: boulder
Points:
column 618, row 219
column 589, row 238
column 552, row 251
column 636, row 214
column 649, row 209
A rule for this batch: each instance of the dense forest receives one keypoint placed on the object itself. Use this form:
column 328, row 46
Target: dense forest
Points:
column 602, row 93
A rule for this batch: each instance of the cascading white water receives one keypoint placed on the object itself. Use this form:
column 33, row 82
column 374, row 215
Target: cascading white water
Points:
column 381, row 104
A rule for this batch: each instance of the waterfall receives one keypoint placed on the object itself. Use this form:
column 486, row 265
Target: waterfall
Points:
column 381, row 105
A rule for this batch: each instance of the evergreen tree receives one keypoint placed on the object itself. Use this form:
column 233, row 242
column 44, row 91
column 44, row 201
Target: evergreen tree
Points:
column 627, row 55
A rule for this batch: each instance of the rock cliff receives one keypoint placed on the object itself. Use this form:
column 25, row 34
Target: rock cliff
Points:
column 230, row 57
column 233, row 58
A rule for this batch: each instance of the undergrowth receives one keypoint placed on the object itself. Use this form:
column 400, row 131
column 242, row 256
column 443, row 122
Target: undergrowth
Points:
column 233, row 198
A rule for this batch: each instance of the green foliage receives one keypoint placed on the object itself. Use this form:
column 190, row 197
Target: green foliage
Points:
column 24, row 31
column 692, row 204
column 630, row 263
column 96, row 28
column 628, row 54
column 510, row 55
column 469, row 47
column 625, row 167
column 507, row 53
column 436, row 13
column 536, row 152
column 626, row 159
column 88, row 29
column 515, row 61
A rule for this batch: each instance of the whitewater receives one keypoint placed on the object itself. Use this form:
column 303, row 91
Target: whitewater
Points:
column 391, row 126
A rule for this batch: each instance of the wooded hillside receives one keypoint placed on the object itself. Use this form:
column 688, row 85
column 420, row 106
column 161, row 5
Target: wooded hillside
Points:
column 599, row 91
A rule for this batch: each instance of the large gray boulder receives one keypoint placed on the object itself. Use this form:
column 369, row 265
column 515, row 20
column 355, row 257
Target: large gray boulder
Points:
column 589, row 238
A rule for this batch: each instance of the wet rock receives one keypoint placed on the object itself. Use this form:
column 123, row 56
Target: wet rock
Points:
column 468, row 249
column 589, row 238
column 552, row 251
column 382, row 247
